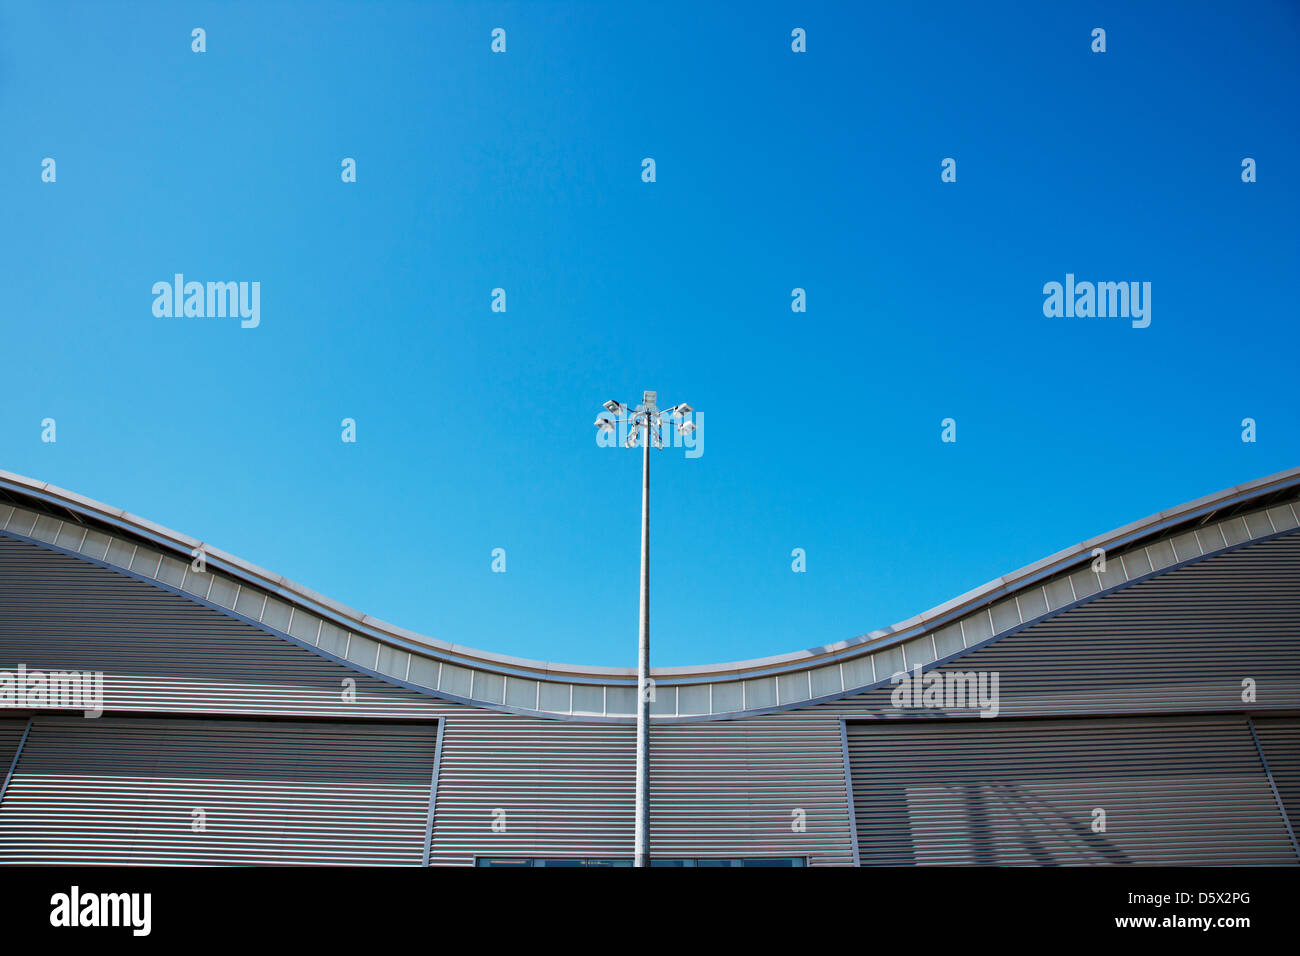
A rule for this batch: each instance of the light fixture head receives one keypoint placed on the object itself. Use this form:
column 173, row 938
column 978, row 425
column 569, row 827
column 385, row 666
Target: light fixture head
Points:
column 630, row 441
column 604, row 424
column 649, row 399
column 686, row 427
column 613, row 407
column 683, row 409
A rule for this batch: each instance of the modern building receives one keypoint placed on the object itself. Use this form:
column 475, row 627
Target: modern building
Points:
column 1147, row 711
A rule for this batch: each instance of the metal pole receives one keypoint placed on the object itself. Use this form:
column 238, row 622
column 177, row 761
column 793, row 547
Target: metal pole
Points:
column 642, row 837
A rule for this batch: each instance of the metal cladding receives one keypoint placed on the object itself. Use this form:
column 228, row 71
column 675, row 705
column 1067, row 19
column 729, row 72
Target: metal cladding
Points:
column 1151, row 791
column 219, row 791
column 107, row 537
column 160, row 651
column 1279, row 744
column 565, row 788
column 1181, row 642
column 1162, row 689
column 12, row 734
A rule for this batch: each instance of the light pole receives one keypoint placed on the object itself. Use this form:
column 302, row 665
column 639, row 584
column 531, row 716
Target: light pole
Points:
column 645, row 423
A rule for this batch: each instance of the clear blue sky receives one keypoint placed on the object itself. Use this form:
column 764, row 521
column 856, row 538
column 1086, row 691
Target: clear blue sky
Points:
column 775, row 170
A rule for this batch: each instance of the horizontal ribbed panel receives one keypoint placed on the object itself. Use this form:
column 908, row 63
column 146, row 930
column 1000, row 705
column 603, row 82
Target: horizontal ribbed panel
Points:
column 726, row 788
column 1174, row 791
column 1181, row 641
column 791, row 774
column 1279, row 739
column 128, row 792
column 11, row 733
column 769, row 786
column 998, row 606
column 160, row 651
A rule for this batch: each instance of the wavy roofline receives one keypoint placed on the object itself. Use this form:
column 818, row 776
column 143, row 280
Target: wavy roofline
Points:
column 974, row 599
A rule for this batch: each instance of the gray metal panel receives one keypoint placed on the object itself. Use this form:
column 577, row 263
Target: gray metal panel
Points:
column 767, row 786
column 314, row 619
column 1180, row 641
column 131, row 791
column 11, row 738
column 770, row 786
column 722, row 788
column 160, row 651
column 1174, row 790
column 1279, row 739
column 11, row 731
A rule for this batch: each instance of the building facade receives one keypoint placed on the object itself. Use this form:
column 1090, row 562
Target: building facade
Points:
column 1134, row 699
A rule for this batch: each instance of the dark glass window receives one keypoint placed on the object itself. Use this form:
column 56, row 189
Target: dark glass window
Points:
column 578, row 861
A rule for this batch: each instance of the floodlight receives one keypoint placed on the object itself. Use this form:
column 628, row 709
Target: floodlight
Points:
column 604, row 424
column 686, row 427
column 613, row 406
column 683, row 409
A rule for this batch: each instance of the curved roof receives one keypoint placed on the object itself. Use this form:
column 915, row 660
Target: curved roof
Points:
column 110, row 536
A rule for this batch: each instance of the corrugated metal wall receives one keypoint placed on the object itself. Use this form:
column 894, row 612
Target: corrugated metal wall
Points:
column 11, row 735
column 751, row 787
column 1279, row 741
column 771, row 784
column 163, row 652
column 1183, row 641
column 185, row 791
column 1175, row 790
column 565, row 787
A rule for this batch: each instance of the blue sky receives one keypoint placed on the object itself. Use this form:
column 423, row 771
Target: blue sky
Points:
column 522, row 171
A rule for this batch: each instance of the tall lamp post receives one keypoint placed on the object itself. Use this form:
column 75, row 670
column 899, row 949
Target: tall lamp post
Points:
column 645, row 425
